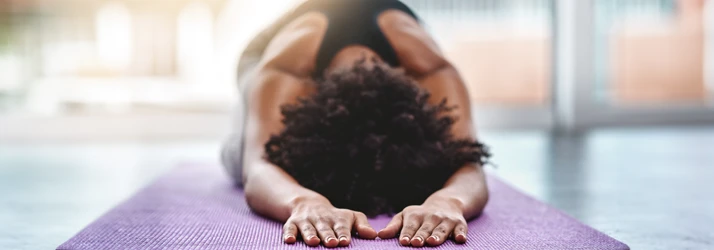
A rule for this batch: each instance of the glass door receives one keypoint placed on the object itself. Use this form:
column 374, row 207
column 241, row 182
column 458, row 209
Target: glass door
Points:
column 636, row 62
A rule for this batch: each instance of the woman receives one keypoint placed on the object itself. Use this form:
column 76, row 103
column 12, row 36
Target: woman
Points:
column 351, row 109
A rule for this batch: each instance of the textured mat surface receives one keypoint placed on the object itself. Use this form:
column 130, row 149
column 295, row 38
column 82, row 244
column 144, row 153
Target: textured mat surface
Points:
column 196, row 207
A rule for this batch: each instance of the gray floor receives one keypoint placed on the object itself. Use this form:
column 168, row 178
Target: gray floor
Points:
column 650, row 188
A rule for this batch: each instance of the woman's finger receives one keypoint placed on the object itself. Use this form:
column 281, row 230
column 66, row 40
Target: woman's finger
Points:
column 362, row 226
column 308, row 232
column 342, row 230
column 324, row 230
column 427, row 226
column 392, row 228
column 460, row 232
column 410, row 226
column 290, row 232
column 440, row 233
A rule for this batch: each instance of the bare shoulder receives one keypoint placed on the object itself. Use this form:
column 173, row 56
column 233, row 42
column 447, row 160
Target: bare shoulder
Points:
column 416, row 50
column 287, row 61
column 301, row 39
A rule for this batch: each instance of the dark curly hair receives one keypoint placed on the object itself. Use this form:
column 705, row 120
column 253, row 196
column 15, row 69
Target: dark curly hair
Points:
column 369, row 141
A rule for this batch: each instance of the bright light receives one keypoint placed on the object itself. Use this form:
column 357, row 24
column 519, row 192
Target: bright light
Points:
column 238, row 22
column 10, row 72
column 195, row 39
column 114, row 35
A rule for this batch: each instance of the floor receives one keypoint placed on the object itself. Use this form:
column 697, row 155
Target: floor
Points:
column 650, row 188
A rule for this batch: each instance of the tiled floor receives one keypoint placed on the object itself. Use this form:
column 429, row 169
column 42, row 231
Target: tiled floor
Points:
column 650, row 188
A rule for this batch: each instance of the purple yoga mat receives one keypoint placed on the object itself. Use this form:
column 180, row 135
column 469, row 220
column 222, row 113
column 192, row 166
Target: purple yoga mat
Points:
column 196, row 207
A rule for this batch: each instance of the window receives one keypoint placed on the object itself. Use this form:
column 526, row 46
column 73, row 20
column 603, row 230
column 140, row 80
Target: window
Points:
column 650, row 52
column 502, row 48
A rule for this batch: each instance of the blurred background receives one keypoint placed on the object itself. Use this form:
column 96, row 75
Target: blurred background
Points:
column 526, row 64
column 97, row 97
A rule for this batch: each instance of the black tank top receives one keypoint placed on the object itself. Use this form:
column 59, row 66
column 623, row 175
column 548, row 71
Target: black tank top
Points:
column 352, row 22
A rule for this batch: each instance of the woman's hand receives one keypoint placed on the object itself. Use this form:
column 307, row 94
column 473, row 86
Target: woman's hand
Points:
column 318, row 221
column 430, row 223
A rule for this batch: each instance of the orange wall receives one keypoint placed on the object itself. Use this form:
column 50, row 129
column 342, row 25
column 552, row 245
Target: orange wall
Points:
column 512, row 70
column 661, row 63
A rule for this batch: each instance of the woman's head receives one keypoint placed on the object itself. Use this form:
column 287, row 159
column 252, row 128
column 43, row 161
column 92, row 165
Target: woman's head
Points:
column 368, row 140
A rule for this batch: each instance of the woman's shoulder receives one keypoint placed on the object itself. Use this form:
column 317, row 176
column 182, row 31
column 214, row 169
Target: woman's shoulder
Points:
column 418, row 53
column 301, row 38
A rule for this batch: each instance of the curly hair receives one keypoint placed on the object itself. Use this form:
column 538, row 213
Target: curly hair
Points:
column 368, row 140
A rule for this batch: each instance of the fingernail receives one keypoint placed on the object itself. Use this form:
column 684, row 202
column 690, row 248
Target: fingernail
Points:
column 404, row 241
column 343, row 239
column 460, row 237
column 419, row 239
column 436, row 238
column 329, row 239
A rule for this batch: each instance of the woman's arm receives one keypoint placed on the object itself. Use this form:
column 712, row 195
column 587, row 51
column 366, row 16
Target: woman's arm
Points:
column 281, row 79
column 465, row 194
column 269, row 190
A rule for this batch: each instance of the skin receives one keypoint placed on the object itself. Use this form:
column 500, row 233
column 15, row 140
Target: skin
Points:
column 283, row 75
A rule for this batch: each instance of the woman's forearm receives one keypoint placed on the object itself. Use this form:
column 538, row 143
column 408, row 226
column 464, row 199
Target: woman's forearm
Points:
column 465, row 190
column 270, row 191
